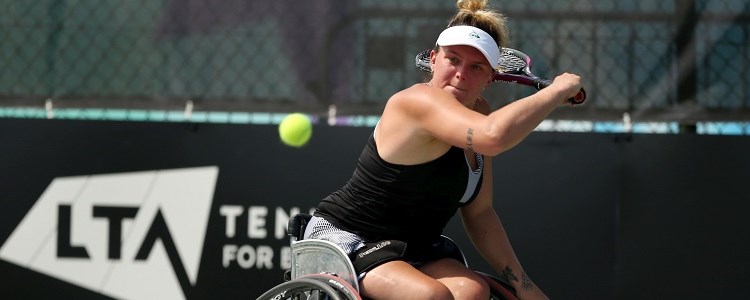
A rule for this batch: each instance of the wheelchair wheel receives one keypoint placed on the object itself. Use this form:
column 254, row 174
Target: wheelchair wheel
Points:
column 499, row 289
column 342, row 286
column 302, row 289
column 500, row 295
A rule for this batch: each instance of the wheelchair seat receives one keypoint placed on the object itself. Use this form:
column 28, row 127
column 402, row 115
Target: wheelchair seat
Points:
column 313, row 259
column 314, row 256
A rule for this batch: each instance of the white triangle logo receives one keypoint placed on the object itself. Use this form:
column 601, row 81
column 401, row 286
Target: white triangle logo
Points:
column 135, row 235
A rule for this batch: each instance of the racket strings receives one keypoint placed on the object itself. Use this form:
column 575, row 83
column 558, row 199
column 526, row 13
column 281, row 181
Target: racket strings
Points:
column 508, row 62
column 423, row 61
column 511, row 63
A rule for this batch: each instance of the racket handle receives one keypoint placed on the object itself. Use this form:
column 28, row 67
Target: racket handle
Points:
column 579, row 98
column 540, row 83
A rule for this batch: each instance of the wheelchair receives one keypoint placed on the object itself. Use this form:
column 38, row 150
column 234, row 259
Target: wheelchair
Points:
column 321, row 270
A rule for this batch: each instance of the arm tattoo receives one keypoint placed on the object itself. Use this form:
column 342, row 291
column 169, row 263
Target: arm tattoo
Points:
column 508, row 275
column 526, row 284
column 469, row 138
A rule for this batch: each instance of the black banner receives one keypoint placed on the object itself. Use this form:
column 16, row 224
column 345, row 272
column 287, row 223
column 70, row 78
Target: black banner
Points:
column 175, row 210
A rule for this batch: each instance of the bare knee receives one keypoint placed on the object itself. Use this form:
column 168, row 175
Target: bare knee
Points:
column 465, row 288
column 417, row 289
column 470, row 288
column 461, row 281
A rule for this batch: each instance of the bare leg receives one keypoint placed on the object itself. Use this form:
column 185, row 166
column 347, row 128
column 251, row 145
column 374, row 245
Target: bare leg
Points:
column 463, row 282
column 399, row 280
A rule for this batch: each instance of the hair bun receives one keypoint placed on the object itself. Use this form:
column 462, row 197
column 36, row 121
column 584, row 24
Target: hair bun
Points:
column 471, row 5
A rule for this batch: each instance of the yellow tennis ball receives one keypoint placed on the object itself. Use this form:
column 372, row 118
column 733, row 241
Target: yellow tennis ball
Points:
column 295, row 130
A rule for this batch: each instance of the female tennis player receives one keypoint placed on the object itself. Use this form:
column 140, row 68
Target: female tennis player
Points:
column 430, row 156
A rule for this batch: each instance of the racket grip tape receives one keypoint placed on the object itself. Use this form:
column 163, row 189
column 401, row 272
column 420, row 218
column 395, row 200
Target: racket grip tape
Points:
column 579, row 98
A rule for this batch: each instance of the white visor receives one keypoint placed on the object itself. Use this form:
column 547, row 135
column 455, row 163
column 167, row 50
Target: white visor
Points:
column 471, row 36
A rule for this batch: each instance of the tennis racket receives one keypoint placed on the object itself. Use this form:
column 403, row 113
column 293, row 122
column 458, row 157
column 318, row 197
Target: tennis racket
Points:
column 514, row 67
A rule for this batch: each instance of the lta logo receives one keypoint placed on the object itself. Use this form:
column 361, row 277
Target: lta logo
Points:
column 133, row 235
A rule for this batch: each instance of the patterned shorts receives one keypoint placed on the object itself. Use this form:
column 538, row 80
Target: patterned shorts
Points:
column 367, row 255
column 319, row 228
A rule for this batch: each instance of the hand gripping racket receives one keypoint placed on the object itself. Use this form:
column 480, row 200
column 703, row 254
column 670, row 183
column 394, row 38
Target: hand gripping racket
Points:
column 514, row 67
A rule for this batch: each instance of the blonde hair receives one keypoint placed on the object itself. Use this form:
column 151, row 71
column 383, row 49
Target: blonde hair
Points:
column 475, row 13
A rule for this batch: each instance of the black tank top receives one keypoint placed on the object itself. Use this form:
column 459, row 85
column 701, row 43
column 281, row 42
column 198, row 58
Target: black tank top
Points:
column 404, row 202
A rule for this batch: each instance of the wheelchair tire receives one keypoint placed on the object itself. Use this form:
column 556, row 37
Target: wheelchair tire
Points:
column 500, row 295
column 499, row 289
column 303, row 289
column 341, row 285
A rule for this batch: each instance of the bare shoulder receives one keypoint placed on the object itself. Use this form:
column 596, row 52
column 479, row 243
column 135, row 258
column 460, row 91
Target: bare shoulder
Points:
column 418, row 99
column 414, row 93
column 404, row 107
column 401, row 135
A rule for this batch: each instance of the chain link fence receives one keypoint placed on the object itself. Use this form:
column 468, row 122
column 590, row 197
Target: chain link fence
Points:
column 671, row 61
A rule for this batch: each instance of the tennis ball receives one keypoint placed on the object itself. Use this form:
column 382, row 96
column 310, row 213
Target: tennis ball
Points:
column 295, row 130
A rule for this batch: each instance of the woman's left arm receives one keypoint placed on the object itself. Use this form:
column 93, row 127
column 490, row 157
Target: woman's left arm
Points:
column 488, row 235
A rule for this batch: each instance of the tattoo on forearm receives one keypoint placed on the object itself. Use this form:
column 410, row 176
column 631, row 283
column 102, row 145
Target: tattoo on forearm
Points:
column 469, row 139
column 526, row 282
column 508, row 275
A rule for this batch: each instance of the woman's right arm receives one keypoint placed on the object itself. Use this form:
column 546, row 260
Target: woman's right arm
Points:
column 441, row 116
column 509, row 125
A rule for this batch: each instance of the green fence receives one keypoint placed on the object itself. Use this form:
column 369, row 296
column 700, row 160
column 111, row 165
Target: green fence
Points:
column 665, row 61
